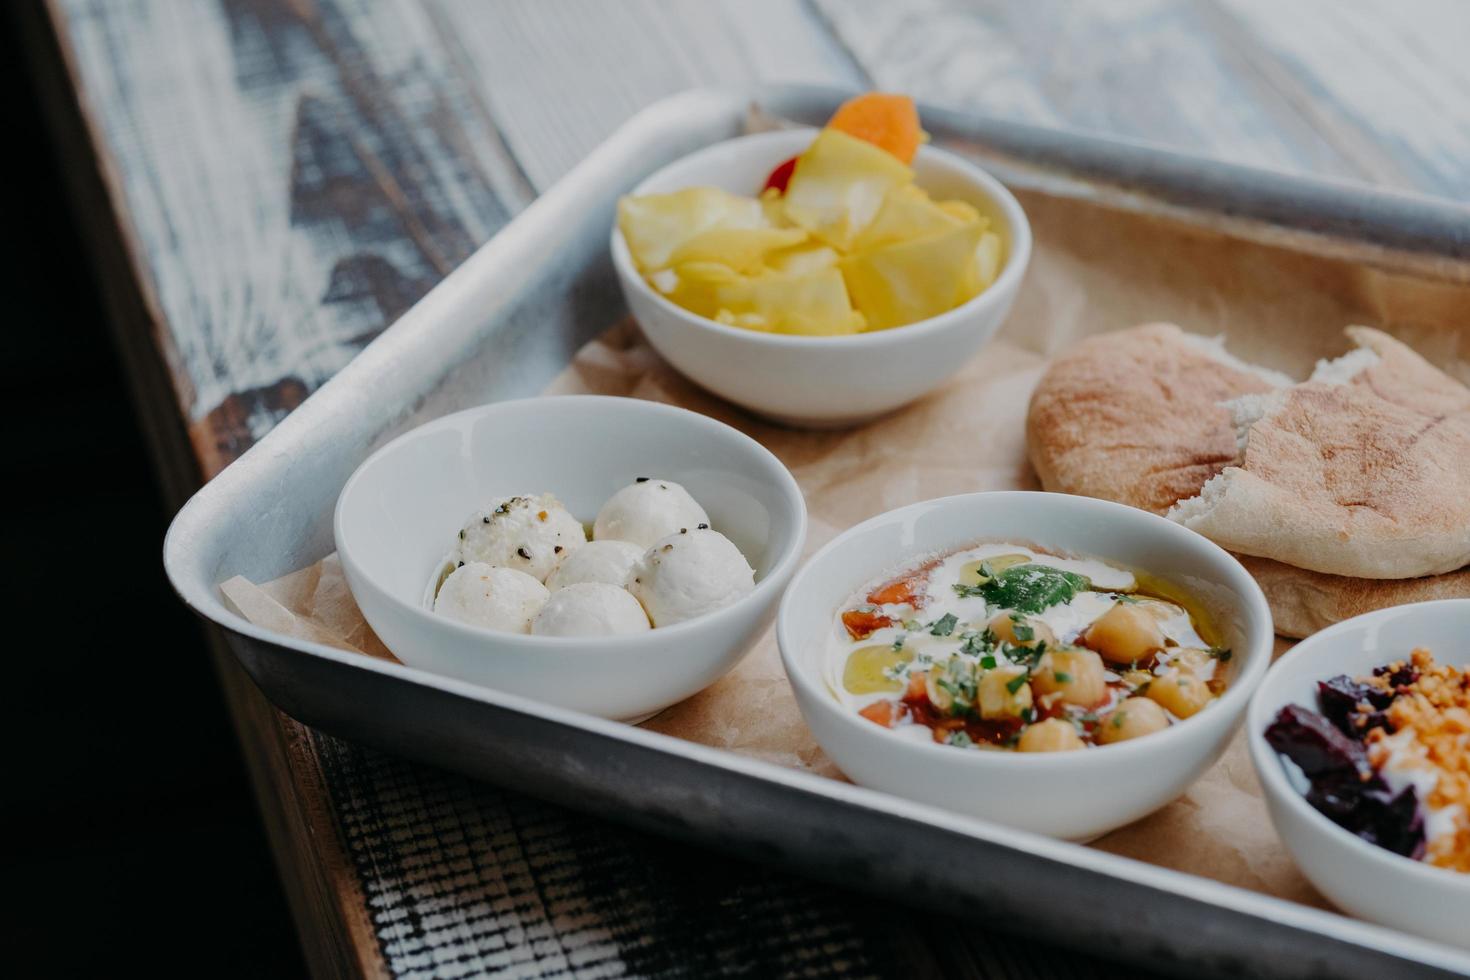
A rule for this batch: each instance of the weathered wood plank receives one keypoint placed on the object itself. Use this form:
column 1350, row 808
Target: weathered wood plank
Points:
column 562, row 76
column 1387, row 84
column 298, row 172
column 1373, row 92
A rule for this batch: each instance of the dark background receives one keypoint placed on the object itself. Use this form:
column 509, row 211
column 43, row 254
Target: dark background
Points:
column 134, row 839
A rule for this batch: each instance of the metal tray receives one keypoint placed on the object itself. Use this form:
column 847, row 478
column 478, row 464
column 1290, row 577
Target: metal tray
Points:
column 507, row 321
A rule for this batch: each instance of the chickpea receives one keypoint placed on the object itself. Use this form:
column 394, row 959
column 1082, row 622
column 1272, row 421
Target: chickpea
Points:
column 939, row 694
column 1052, row 735
column 1004, row 693
column 1077, row 675
column 1180, row 691
column 1003, row 625
column 1124, row 634
column 1137, row 678
column 1197, row 662
column 1132, row 718
column 943, row 681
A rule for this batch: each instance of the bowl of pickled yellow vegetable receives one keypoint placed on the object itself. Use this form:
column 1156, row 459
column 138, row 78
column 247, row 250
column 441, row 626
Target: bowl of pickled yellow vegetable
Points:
column 822, row 278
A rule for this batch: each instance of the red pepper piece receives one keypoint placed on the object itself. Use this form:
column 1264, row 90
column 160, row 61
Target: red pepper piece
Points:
column 862, row 624
column 781, row 176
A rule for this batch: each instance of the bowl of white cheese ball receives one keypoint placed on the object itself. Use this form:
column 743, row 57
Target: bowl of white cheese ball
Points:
column 609, row 555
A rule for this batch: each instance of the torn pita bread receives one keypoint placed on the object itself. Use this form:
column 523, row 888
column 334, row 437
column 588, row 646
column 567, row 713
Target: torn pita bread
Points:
column 1085, row 436
column 1304, row 602
column 1135, row 416
column 1361, row 471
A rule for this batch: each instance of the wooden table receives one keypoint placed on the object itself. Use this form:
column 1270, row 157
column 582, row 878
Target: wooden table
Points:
column 276, row 181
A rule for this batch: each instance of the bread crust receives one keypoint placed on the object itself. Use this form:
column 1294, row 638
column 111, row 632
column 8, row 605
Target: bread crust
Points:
column 1303, row 602
column 1365, row 478
column 1138, row 417
column 1135, row 416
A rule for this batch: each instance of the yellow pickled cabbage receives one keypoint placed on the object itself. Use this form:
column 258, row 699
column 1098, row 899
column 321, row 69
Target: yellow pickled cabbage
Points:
column 803, row 260
column 838, row 186
column 742, row 249
column 913, row 280
column 853, row 244
column 654, row 225
column 814, row 304
column 906, row 214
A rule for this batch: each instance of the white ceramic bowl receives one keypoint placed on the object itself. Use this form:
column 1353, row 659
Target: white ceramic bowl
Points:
column 1074, row 795
column 1363, row 879
column 399, row 513
column 822, row 382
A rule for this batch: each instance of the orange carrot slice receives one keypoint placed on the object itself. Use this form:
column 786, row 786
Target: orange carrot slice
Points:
column 880, row 712
column 887, row 121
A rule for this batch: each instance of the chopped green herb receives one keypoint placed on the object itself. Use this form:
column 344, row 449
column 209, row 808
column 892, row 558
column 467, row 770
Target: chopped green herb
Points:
column 1014, row 684
column 976, row 644
column 1062, row 676
column 944, row 625
column 898, row 642
column 1118, row 717
column 961, row 739
column 988, row 661
column 1024, row 655
column 910, row 624
column 1021, row 631
column 1028, row 588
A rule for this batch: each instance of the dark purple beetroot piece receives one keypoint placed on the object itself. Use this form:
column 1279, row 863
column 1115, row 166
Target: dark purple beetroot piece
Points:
column 1340, row 698
column 1316, row 745
column 1403, row 677
column 1372, row 811
column 1344, row 787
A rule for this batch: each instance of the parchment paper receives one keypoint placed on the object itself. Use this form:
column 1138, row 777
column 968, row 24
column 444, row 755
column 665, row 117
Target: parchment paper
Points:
column 1094, row 269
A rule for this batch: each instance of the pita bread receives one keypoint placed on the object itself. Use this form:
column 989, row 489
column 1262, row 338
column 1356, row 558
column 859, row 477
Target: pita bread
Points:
column 1135, row 416
column 1303, row 602
column 1084, row 431
column 1361, row 475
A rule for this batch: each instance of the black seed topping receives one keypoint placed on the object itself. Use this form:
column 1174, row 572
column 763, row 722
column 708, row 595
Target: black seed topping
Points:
column 461, row 535
column 460, row 565
column 486, row 520
column 641, row 479
column 702, row 527
column 663, row 486
column 524, row 553
column 556, row 550
column 683, row 530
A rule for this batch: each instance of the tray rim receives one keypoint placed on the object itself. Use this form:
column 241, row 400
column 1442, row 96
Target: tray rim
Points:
column 180, row 552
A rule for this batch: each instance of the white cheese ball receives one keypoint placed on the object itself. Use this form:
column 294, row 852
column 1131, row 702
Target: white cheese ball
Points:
column 596, row 561
column 648, row 511
column 688, row 574
column 590, row 609
column 529, row 534
column 495, row 598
